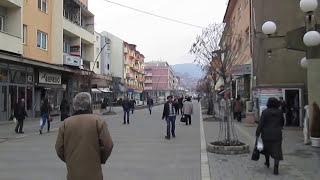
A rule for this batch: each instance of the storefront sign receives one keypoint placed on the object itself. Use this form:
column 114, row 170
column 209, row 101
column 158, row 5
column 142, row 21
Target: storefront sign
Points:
column 49, row 78
column 238, row 70
column 265, row 94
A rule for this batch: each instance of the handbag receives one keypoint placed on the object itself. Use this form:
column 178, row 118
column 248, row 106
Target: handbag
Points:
column 183, row 118
column 256, row 153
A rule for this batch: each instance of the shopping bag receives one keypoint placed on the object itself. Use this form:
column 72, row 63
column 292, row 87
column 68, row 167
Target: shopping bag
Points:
column 255, row 153
column 183, row 118
column 14, row 120
column 260, row 145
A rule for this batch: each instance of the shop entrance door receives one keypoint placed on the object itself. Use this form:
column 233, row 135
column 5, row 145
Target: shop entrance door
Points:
column 294, row 103
column 4, row 115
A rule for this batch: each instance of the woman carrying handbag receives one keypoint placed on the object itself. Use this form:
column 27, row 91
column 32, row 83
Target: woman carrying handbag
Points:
column 270, row 128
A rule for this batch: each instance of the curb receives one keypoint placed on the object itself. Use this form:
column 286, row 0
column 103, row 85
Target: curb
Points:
column 205, row 170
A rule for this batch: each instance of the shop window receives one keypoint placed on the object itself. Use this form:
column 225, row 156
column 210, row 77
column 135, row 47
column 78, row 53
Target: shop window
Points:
column 3, row 75
column 17, row 76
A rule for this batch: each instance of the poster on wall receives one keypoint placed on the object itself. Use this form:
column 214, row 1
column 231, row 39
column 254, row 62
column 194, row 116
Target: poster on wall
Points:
column 265, row 94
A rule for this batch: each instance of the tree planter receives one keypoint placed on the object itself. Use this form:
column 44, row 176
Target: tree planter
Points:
column 315, row 142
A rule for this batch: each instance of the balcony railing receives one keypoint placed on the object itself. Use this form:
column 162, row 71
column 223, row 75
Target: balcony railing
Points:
column 10, row 43
column 148, row 81
column 148, row 74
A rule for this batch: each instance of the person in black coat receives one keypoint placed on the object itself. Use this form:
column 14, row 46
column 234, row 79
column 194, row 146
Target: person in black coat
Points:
column 150, row 104
column 132, row 104
column 20, row 114
column 270, row 128
column 126, row 110
column 64, row 108
column 169, row 115
column 45, row 110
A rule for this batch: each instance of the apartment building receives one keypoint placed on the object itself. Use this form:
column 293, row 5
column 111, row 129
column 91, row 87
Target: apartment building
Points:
column 236, row 41
column 159, row 80
column 134, row 71
column 13, row 78
column 48, row 54
column 288, row 79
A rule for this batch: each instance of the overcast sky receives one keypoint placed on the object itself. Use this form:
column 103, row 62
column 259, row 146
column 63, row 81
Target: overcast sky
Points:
column 158, row 39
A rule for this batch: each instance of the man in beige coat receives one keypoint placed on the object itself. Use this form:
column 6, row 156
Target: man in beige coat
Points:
column 84, row 142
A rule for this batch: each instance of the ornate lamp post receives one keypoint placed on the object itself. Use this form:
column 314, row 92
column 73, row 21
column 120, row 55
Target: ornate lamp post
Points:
column 305, row 39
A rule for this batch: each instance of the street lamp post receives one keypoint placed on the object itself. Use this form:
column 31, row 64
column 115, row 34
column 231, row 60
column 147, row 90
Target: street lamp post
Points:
column 310, row 45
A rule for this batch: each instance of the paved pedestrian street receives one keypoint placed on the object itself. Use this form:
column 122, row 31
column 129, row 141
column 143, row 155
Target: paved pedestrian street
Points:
column 140, row 150
column 142, row 153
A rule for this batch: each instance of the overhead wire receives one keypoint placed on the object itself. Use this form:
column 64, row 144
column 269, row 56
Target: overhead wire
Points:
column 154, row 15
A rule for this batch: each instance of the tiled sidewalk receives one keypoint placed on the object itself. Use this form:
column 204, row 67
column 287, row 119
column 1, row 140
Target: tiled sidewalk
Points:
column 300, row 161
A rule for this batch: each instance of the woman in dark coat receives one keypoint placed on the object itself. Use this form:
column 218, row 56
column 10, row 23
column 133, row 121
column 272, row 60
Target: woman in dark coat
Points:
column 270, row 127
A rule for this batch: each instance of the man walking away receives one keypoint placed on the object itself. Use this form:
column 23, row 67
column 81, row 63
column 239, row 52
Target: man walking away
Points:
column 126, row 110
column 83, row 141
column 238, row 108
column 45, row 115
column 180, row 102
column 170, row 116
column 176, row 105
column 150, row 104
column 132, row 104
column 20, row 114
column 188, row 110
column 64, row 108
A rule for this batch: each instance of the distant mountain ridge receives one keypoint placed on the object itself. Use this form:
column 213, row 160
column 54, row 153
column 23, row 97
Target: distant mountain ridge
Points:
column 193, row 70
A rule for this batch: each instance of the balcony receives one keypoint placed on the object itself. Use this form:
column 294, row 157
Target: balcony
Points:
column 77, row 30
column 12, row 43
column 11, row 3
column 149, row 81
column 148, row 74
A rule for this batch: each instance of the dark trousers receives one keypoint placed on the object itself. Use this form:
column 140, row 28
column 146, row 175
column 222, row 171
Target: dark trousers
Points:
column 177, row 111
column 188, row 119
column 132, row 109
column 150, row 109
column 45, row 119
column 19, row 126
column 171, row 120
column 126, row 114
column 237, row 116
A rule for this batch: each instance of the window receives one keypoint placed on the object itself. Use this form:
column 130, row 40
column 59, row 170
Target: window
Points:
column 1, row 23
column 42, row 39
column 98, row 64
column 66, row 46
column 43, row 5
column 24, row 38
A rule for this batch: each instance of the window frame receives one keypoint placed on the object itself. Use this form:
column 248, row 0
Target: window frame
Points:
column 2, row 24
column 24, row 34
column 41, row 40
column 41, row 7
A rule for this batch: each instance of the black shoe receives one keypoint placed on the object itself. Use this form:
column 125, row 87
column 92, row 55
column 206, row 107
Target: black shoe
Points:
column 16, row 131
column 174, row 136
column 40, row 131
column 267, row 164
column 21, row 132
column 167, row 137
column 124, row 123
column 276, row 170
column 128, row 122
